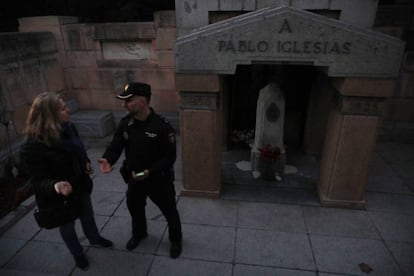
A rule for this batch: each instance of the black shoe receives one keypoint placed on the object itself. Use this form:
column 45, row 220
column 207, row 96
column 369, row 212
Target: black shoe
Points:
column 82, row 262
column 134, row 242
column 175, row 249
column 103, row 243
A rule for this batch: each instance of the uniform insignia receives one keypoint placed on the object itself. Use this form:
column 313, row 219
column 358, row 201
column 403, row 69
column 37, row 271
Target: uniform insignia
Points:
column 126, row 87
column 171, row 137
column 150, row 134
column 125, row 135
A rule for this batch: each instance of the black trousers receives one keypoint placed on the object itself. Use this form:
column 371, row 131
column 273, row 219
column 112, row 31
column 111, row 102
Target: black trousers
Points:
column 162, row 193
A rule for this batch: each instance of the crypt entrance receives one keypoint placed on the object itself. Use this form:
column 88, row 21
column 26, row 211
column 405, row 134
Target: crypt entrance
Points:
column 346, row 73
column 302, row 137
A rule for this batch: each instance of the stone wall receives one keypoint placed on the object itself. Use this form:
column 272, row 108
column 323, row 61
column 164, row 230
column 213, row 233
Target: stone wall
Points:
column 29, row 65
column 398, row 119
column 98, row 59
column 390, row 17
column 89, row 63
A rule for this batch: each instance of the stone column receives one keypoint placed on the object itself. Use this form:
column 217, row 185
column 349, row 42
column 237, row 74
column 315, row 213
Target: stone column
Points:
column 350, row 140
column 201, row 134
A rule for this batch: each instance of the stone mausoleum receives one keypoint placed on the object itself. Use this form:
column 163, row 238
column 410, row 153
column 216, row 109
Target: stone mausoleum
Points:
column 335, row 73
column 323, row 77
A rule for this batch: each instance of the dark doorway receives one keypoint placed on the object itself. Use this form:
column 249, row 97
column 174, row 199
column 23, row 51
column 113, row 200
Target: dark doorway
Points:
column 244, row 87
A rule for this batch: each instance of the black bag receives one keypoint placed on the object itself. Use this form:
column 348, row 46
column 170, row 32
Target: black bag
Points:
column 50, row 218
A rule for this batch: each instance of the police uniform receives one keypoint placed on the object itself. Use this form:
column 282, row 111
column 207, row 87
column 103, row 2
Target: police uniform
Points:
column 150, row 145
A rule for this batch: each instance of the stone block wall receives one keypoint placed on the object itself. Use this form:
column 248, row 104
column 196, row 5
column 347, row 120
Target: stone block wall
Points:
column 398, row 120
column 98, row 59
column 29, row 65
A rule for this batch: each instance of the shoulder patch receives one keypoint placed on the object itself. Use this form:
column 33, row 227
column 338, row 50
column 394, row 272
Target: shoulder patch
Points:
column 171, row 137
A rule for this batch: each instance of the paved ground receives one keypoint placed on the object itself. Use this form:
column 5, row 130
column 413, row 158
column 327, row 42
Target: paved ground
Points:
column 255, row 228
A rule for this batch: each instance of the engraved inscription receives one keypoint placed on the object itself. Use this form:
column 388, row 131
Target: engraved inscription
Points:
column 360, row 105
column 285, row 46
column 206, row 101
column 127, row 50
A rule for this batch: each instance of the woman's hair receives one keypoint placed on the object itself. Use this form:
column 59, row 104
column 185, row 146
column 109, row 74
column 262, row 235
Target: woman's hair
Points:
column 42, row 121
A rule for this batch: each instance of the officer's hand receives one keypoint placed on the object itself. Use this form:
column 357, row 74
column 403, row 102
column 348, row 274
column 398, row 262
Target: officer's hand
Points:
column 104, row 165
column 138, row 176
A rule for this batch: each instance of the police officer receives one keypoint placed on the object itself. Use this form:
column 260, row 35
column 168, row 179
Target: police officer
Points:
column 150, row 153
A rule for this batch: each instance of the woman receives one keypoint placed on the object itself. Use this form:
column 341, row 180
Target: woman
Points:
column 60, row 169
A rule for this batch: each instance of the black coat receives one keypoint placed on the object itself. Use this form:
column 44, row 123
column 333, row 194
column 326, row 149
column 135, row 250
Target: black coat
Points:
column 148, row 144
column 47, row 165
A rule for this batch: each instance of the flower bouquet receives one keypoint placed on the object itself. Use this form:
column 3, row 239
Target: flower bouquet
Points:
column 270, row 153
column 269, row 156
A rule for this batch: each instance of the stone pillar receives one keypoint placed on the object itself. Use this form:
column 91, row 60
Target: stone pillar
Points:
column 350, row 140
column 201, row 134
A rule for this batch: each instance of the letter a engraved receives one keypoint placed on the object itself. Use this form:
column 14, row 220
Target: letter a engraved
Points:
column 285, row 27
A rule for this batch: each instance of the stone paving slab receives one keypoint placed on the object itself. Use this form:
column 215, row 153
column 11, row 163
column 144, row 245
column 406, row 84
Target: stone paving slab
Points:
column 403, row 253
column 266, row 216
column 343, row 255
column 394, row 227
column 106, row 203
column 8, row 248
column 248, row 270
column 208, row 211
column 183, row 267
column 25, row 229
column 339, row 222
column 113, row 262
column 272, row 248
column 118, row 230
column 210, row 243
column 42, row 257
column 393, row 203
column 53, row 235
column 253, row 229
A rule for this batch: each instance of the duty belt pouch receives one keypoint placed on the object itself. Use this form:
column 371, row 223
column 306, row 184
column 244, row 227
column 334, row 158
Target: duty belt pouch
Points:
column 124, row 172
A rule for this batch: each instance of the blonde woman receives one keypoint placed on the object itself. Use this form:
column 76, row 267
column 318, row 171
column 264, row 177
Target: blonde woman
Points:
column 60, row 169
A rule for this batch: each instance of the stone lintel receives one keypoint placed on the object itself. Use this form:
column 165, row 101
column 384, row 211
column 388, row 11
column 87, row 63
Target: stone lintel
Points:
column 198, row 82
column 365, row 87
column 289, row 36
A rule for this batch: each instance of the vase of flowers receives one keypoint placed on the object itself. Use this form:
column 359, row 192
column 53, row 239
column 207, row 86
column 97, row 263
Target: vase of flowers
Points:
column 269, row 158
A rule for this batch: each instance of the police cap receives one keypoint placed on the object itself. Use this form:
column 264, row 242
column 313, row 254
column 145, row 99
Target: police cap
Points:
column 135, row 88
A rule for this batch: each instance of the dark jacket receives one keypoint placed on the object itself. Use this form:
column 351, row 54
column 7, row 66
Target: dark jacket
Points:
column 148, row 144
column 47, row 165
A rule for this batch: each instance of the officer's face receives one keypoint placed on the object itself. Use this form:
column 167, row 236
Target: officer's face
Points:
column 134, row 104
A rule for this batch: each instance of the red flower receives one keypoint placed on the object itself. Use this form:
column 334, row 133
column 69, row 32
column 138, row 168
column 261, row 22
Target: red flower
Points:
column 270, row 153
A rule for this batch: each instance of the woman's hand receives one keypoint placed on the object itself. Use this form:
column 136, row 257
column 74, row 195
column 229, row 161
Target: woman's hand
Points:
column 63, row 187
column 104, row 165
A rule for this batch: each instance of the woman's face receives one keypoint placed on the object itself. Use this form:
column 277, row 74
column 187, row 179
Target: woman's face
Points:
column 63, row 112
